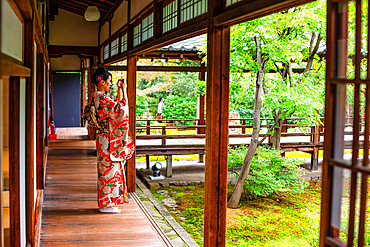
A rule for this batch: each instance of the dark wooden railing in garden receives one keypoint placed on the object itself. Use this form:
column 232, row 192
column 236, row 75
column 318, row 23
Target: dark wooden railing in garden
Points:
column 155, row 132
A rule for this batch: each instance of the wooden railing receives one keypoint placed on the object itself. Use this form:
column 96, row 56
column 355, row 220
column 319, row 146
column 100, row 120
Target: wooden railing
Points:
column 312, row 146
column 145, row 132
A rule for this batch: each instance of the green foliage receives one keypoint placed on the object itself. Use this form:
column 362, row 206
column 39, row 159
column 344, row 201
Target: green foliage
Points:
column 141, row 105
column 201, row 87
column 269, row 173
column 178, row 107
column 184, row 84
column 147, row 83
column 304, row 99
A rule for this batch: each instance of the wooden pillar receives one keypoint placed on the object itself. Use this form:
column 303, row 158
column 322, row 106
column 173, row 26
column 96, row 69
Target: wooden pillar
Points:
column 169, row 166
column 202, row 77
column 29, row 62
column 148, row 133
column 83, row 97
column 91, row 89
column 14, row 160
column 40, row 121
column 131, row 91
column 218, row 66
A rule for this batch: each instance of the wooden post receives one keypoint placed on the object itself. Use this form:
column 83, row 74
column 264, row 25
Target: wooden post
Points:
column 91, row 89
column 14, row 147
column 202, row 77
column 243, row 128
column 147, row 157
column 163, row 135
column 40, row 121
column 169, row 166
column 29, row 62
column 218, row 66
column 131, row 88
column 83, row 97
column 284, row 128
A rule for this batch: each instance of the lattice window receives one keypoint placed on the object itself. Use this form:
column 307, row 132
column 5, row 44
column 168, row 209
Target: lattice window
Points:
column 114, row 47
column 192, row 8
column 147, row 27
column 124, row 43
column 345, row 181
column 137, row 35
column 106, row 52
column 170, row 16
column 229, row 2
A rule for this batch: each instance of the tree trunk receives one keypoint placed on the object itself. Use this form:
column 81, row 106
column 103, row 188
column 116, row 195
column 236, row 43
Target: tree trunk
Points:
column 238, row 189
column 312, row 51
column 276, row 138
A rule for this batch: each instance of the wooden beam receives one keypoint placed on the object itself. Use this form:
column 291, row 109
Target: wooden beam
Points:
column 59, row 50
column 12, row 67
column 29, row 62
column 248, row 10
column 40, row 121
column 131, row 91
column 14, row 159
column 160, row 68
column 218, row 62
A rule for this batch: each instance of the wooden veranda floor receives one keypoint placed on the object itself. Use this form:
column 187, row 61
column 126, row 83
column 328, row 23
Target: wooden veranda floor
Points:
column 69, row 213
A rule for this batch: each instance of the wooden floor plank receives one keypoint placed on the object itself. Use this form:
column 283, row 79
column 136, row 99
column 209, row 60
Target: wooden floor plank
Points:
column 70, row 211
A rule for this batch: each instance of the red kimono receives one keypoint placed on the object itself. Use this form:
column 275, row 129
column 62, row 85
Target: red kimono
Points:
column 114, row 145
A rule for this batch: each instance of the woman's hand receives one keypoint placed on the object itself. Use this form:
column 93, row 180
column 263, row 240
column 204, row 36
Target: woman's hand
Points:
column 122, row 84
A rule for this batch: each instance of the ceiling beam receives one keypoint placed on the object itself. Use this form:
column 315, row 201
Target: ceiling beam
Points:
column 160, row 68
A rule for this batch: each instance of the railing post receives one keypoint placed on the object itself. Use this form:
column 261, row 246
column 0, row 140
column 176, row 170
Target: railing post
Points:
column 243, row 128
column 284, row 128
column 315, row 153
column 169, row 166
column 147, row 159
column 163, row 135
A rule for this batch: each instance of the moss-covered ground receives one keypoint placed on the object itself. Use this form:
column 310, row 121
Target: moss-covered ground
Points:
column 277, row 220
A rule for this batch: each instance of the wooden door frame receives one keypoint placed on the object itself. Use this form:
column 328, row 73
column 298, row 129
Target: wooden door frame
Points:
column 333, row 164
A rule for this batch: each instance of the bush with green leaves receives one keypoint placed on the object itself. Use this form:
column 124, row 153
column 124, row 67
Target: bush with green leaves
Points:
column 141, row 106
column 269, row 173
column 177, row 107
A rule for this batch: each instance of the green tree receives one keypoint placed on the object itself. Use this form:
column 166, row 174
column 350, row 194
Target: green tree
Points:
column 279, row 42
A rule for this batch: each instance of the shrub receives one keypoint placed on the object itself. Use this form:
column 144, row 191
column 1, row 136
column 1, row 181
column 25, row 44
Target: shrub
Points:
column 141, row 106
column 269, row 172
column 177, row 107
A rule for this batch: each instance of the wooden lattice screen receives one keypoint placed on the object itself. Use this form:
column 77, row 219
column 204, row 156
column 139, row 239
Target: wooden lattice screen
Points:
column 346, row 149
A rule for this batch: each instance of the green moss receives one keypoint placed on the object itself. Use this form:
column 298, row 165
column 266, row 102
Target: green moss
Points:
column 277, row 220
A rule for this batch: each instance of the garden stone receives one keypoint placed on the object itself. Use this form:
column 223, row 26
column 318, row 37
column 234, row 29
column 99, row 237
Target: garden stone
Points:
column 164, row 184
column 183, row 183
column 154, row 185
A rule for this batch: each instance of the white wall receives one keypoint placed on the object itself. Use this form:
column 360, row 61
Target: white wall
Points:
column 119, row 18
column 137, row 6
column 104, row 32
column 11, row 32
column 73, row 30
column 65, row 63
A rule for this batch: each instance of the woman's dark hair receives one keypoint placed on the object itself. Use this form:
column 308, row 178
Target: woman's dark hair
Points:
column 100, row 72
column 160, row 99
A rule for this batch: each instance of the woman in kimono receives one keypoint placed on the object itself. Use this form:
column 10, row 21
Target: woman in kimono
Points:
column 114, row 143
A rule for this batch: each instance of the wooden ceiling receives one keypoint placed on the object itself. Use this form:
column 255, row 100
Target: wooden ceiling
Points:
column 79, row 6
